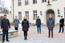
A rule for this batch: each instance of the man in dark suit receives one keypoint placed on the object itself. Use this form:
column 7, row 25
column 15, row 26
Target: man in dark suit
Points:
column 50, row 25
column 61, row 22
column 25, row 27
column 5, row 25
column 38, row 24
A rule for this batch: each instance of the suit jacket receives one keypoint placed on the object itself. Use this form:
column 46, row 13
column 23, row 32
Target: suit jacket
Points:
column 25, row 25
column 50, row 23
column 38, row 22
column 5, row 24
column 62, row 21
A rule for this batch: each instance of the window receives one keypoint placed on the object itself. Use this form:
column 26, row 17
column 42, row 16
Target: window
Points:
column 20, row 15
column 34, row 1
column 19, row 12
column 41, row 13
column 19, row 2
column 43, row 0
column 58, row 11
column 26, row 2
column 27, row 14
column 34, row 14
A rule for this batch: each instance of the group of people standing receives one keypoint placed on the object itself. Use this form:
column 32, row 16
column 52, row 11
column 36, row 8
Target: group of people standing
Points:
column 5, row 25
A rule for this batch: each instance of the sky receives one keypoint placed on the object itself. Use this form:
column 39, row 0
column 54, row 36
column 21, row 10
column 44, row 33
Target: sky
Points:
column 7, row 3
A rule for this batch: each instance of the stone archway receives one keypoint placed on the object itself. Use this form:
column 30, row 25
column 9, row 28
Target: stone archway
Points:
column 48, row 12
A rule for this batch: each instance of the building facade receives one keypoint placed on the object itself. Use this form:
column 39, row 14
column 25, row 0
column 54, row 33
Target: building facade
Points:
column 33, row 8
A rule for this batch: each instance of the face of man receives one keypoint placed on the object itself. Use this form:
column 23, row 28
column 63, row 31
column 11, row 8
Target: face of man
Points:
column 5, row 17
column 50, row 16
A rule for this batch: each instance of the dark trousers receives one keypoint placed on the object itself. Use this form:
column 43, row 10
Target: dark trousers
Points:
column 39, row 29
column 50, row 32
column 61, row 28
column 25, row 35
column 5, row 34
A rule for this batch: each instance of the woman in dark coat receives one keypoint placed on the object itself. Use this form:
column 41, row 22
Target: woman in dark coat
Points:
column 25, row 27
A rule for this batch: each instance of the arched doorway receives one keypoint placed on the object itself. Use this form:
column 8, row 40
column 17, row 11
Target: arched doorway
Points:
column 48, row 12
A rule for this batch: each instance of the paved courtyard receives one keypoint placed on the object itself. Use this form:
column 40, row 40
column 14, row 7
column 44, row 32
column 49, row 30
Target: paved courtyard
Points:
column 34, row 37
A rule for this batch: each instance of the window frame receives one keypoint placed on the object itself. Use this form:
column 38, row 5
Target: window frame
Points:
column 26, row 2
column 20, row 15
column 19, row 3
column 34, row 1
column 27, row 14
column 34, row 14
